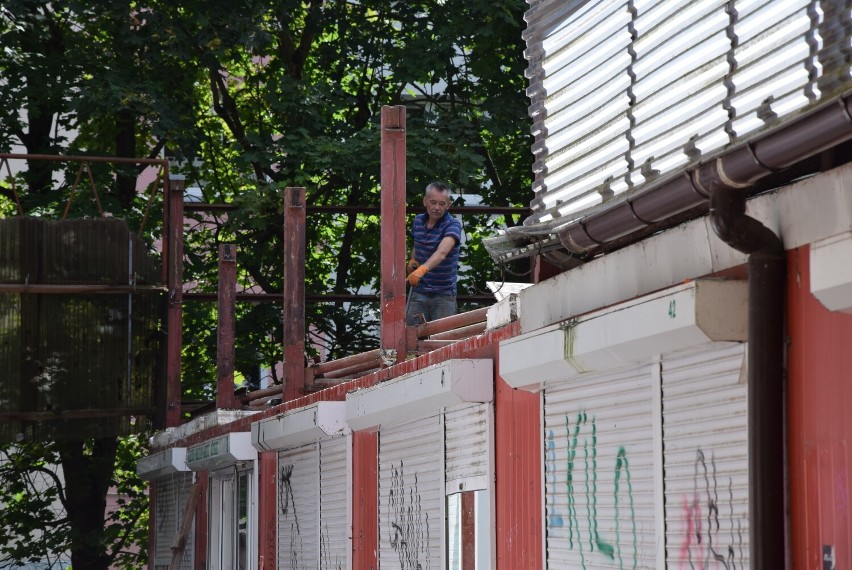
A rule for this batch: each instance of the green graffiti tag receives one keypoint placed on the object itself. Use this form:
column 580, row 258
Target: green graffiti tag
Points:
column 585, row 485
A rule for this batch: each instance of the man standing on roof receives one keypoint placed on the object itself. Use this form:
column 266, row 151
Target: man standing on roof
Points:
column 433, row 267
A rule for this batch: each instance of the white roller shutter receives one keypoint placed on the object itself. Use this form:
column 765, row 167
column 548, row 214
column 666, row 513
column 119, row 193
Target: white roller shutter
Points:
column 705, row 429
column 298, row 512
column 336, row 528
column 468, row 448
column 411, row 495
column 599, row 471
column 172, row 493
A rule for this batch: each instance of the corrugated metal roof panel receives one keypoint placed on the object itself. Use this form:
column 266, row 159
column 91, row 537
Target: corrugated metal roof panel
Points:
column 625, row 92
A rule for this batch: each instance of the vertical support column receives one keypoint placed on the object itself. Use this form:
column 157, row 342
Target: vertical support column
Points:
column 365, row 500
column 393, row 232
column 226, row 329
column 203, row 479
column 174, row 326
column 152, row 531
column 294, row 293
column 468, row 531
column 267, row 532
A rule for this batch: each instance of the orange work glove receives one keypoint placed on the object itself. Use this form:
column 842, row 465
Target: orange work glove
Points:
column 412, row 265
column 415, row 276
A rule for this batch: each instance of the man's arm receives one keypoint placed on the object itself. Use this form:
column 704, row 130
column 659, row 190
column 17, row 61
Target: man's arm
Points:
column 444, row 248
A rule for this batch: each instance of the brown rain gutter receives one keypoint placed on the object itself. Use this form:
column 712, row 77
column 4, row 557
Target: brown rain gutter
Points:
column 766, row 290
column 741, row 167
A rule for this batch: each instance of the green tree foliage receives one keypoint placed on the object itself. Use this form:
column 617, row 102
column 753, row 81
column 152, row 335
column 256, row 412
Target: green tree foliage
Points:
column 43, row 519
column 255, row 96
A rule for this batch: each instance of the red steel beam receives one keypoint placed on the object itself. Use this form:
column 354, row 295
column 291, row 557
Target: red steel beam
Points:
column 226, row 329
column 371, row 210
column 70, row 289
column 319, row 298
column 174, row 325
column 393, row 231
column 294, row 293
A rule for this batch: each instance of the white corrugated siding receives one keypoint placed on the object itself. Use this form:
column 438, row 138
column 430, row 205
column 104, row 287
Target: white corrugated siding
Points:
column 705, row 440
column 298, row 511
column 335, row 526
column 468, row 448
column 172, row 492
column 624, row 91
column 411, row 496
column 599, row 471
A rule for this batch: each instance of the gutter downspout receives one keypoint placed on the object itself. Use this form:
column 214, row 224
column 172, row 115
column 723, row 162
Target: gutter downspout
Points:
column 767, row 293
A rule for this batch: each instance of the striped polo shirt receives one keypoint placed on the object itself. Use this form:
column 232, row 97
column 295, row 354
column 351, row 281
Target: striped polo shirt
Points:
column 443, row 278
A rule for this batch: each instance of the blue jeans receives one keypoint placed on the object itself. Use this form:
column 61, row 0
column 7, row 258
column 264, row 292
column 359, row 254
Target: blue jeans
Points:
column 431, row 305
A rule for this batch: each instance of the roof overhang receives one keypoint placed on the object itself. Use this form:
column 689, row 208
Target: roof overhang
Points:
column 678, row 318
column 831, row 272
column 421, row 394
column 166, row 462
column 219, row 452
column 300, row 427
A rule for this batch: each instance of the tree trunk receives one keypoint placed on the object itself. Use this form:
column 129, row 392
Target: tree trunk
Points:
column 88, row 468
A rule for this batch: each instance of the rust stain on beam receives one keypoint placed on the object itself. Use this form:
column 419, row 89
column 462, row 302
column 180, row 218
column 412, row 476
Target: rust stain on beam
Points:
column 174, row 325
column 74, row 414
column 393, row 168
column 40, row 288
column 294, row 293
column 226, row 329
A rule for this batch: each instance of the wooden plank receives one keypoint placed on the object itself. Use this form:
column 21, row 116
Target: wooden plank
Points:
column 179, row 543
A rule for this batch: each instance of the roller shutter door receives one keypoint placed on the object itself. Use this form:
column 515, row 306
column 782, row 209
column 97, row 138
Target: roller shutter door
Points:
column 705, row 429
column 336, row 528
column 172, row 493
column 298, row 514
column 599, row 471
column 468, row 448
column 411, row 495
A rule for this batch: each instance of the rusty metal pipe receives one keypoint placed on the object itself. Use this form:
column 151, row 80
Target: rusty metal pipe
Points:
column 347, row 361
column 452, row 322
column 461, row 333
column 352, row 370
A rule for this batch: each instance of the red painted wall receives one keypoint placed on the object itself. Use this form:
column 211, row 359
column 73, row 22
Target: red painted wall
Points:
column 518, row 450
column 365, row 500
column 267, row 530
column 820, row 422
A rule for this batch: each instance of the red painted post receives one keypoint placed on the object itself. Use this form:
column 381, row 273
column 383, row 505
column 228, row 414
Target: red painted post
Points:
column 393, row 232
column 226, row 330
column 294, row 293
column 267, row 532
column 468, row 531
column 365, row 500
column 201, row 522
column 174, row 327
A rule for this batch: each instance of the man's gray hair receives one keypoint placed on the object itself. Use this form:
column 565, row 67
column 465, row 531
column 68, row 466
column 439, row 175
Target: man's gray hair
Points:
column 439, row 186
